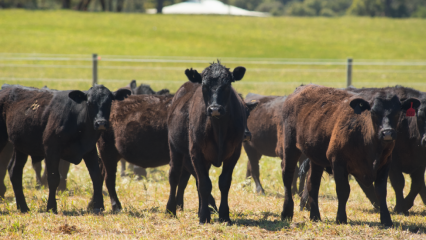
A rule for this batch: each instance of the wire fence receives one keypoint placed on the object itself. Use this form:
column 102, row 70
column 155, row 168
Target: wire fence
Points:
column 167, row 71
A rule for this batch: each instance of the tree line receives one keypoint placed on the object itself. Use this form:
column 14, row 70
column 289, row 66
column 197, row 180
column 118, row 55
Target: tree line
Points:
column 325, row 8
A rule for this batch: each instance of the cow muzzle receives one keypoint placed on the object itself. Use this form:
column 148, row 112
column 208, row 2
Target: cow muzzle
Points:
column 215, row 111
column 388, row 134
column 247, row 136
column 101, row 125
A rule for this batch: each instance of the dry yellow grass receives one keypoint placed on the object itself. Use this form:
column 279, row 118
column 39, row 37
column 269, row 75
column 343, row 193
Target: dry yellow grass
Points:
column 144, row 204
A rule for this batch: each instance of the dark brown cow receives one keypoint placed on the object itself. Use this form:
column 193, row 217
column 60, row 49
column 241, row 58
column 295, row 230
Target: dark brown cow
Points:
column 54, row 125
column 264, row 123
column 339, row 129
column 409, row 154
column 138, row 134
column 206, row 125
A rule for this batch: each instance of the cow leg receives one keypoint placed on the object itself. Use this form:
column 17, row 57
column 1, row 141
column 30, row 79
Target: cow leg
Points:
column 304, row 198
column 288, row 164
column 343, row 189
column 183, row 182
column 381, row 192
column 370, row 193
column 204, row 184
column 312, row 187
column 398, row 183
column 225, row 180
column 5, row 156
column 140, row 172
column 417, row 183
column 176, row 165
column 253, row 167
column 92, row 163
column 123, row 167
column 423, row 194
column 294, row 185
column 16, row 167
column 302, row 179
column 53, row 178
column 37, row 169
column 64, row 167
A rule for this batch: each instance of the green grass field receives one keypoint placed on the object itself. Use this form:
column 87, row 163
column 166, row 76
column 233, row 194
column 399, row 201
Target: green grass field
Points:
column 262, row 45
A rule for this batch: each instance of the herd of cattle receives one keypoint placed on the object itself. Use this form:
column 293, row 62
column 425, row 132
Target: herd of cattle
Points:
column 368, row 133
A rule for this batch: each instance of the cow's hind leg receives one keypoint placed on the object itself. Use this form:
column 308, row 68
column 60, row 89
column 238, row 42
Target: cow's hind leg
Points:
column 183, row 182
column 5, row 156
column 417, row 183
column 312, row 187
column 53, row 178
column 64, row 167
column 370, row 193
column 398, row 183
column 253, row 167
column 176, row 165
column 123, row 167
column 288, row 164
column 16, row 167
column 37, row 169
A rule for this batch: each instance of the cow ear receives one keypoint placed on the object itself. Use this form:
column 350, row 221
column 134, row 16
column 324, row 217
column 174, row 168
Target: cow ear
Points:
column 252, row 105
column 193, row 75
column 359, row 105
column 121, row 94
column 133, row 85
column 238, row 73
column 77, row 96
column 406, row 104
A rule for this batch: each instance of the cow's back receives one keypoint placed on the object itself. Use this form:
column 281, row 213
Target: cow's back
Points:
column 264, row 122
column 314, row 117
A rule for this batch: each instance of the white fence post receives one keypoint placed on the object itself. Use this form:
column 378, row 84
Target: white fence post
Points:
column 95, row 68
column 349, row 73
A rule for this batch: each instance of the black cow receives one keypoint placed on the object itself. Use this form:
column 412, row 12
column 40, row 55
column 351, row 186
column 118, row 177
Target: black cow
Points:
column 206, row 125
column 54, row 125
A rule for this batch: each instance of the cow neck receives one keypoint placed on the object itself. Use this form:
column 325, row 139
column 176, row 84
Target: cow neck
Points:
column 220, row 128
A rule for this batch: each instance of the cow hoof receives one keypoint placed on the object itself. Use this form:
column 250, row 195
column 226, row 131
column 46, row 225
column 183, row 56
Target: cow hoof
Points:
column 388, row 224
column 116, row 208
column 25, row 210
column 227, row 221
column 97, row 211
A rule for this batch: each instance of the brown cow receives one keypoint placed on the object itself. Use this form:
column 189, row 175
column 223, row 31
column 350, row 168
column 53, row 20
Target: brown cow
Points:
column 264, row 124
column 206, row 125
column 339, row 129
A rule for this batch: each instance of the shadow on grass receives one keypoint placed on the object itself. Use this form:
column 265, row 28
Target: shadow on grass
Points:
column 262, row 223
column 413, row 228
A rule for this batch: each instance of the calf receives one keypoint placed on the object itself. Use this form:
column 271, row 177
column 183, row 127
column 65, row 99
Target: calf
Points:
column 206, row 125
column 339, row 129
column 264, row 124
column 55, row 125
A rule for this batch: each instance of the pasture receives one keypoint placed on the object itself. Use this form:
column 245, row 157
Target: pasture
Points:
column 202, row 39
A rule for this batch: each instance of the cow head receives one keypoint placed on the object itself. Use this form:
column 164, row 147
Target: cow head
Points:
column 98, row 101
column 216, row 86
column 421, row 121
column 249, row 107
column 385, row 113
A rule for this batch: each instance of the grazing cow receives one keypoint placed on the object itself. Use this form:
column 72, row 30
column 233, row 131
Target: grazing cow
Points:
column 206, row 124
column 54, row 125
column 340, row 129
column 138, row 134
column 264, row 124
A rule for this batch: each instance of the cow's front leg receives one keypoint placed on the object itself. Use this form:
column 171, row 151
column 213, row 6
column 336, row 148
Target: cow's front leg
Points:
column 92, row 163
column 53, row 178
column 16, row 167
column 204, row 184
column 225, row 180
column 381, row 191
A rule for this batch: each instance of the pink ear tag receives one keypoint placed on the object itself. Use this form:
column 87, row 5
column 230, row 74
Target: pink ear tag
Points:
column 411, row 112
